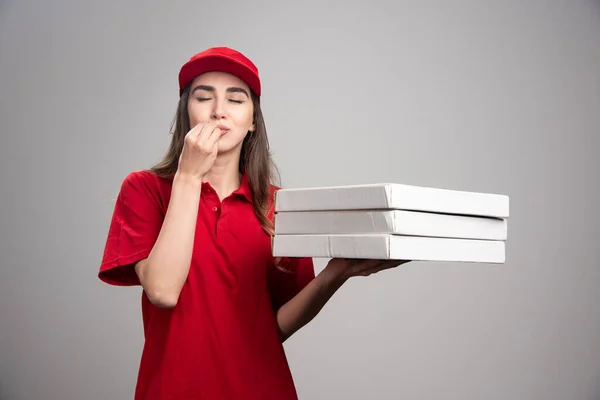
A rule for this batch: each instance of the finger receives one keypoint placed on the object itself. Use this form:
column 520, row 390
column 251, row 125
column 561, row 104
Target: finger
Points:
column 361, row 264
column 195, row 131
column 204, row 132
column 383, row 265
column 374, row 270
column 358, row 266
column 212, row 140
column 395, row 263
column 192, row 135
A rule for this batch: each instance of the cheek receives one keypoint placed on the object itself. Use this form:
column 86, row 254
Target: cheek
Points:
column 234, row 137
column 197, row 114
column 243, row 120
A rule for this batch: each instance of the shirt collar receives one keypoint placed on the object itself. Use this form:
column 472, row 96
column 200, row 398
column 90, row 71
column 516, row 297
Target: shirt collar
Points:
column 244, row 188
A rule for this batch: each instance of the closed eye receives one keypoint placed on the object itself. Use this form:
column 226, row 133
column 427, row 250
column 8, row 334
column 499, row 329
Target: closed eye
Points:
column 208, row 98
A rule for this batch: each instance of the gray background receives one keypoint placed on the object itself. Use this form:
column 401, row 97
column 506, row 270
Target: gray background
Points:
column 495, row 96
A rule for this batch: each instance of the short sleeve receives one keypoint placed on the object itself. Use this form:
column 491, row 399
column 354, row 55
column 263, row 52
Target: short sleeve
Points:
column 292, row 275
column 288, row 275
column 136, row 222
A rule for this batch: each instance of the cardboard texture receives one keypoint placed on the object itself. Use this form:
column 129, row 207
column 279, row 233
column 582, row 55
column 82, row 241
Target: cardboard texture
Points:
column 389, row 247
column 391, row 221
column 388, row 196
column 400, row 222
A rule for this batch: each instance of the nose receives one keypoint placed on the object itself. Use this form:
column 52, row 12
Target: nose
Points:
column 218, row 111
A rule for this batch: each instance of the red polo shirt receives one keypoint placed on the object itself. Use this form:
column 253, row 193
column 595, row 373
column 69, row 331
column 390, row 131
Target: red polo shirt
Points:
column 221, row 340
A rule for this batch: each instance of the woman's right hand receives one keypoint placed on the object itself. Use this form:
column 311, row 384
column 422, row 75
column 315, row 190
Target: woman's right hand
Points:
column 199, row 151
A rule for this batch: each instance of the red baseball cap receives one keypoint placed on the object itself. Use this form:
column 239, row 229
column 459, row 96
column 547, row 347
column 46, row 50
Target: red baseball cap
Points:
column 221, row 59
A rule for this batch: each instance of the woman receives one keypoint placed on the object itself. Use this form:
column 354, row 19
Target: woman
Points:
column 195, row 233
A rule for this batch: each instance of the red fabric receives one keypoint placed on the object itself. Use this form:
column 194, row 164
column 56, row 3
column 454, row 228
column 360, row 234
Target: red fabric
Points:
column 220, row 59
column 221, row 340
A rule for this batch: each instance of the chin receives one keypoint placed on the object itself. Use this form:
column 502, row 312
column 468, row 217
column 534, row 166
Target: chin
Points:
column 226, row 145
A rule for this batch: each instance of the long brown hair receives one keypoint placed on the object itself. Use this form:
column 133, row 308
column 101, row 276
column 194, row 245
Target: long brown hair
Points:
column 255, row 159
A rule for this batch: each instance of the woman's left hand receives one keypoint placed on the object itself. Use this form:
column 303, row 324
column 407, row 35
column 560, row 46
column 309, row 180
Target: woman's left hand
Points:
column 344, row 269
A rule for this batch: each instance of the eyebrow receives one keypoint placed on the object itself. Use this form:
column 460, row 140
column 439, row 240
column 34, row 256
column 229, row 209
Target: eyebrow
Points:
column 229, row 90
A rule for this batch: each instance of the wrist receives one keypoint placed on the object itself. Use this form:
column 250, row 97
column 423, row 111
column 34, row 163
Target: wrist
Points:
column 187, row 180
column 334, row 274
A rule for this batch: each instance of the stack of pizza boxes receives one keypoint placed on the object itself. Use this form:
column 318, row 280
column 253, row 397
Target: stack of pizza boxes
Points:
column 391, row 221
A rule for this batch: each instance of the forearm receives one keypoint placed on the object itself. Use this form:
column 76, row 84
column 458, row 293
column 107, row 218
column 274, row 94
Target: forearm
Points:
column 164, row 272
column 301, row 309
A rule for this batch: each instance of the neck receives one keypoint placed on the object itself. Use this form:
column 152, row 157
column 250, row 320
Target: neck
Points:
column 224, row 176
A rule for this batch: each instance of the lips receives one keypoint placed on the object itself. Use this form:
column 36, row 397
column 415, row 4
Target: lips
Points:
column 223, row 129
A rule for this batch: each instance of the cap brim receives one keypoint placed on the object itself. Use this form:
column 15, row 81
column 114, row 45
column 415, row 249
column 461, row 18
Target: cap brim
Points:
column 194, row 68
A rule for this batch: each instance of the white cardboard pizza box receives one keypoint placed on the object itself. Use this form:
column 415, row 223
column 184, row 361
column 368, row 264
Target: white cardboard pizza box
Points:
column 411, row 223
column 390, row 196
column 388, row 246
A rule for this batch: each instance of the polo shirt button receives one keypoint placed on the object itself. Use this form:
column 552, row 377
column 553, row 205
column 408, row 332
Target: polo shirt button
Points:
column 215, row 208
